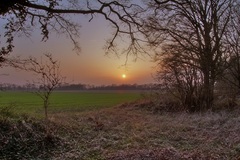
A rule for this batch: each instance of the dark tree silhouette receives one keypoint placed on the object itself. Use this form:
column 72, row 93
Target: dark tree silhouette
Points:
column 233, row 40
column 181, row 80
column 53, row 15
column 197, row 29
column 48, row 79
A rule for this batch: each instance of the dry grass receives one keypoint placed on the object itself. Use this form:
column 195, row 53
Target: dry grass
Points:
column 130, row 133
column 127, row 132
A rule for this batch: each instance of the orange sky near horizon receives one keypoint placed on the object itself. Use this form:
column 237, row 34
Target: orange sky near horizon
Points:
column 91, row 66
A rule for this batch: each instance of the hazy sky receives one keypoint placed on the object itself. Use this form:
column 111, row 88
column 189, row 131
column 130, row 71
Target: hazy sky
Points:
column 91, row 66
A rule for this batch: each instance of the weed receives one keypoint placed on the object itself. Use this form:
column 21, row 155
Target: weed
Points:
column 7, row 111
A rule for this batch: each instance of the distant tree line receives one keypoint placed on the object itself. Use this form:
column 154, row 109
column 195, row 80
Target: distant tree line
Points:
column 15, row 87
column 79, row 87
column 125, row 87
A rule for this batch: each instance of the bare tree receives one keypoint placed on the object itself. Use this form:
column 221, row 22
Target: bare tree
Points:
column 180, row 79
column 198, row 29
column 232, row 74
column 21, row 16
column 48, row 79
column 228, row 86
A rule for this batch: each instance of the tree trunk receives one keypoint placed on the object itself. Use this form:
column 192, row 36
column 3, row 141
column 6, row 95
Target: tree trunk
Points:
column 45, row 109
column 208, row 87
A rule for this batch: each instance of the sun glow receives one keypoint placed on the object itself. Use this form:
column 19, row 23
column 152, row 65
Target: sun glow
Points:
column 123, row 76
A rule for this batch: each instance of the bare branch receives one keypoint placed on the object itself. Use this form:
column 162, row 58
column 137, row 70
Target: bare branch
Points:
column 49, row 77
column 122, row 15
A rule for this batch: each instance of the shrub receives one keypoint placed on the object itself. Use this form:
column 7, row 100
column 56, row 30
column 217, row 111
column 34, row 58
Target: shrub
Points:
column 27, row 139
column 7, row 111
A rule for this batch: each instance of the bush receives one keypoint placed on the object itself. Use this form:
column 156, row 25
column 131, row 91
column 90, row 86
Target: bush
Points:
column 158, row 102
column 27, row 139
column 7, row 111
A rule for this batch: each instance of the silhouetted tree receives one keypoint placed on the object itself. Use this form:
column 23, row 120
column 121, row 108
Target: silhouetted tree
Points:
column 48, row 77
column 229, row 85
column 197, row 29
column 21, row 16
column 232, row 74
column 180, row 79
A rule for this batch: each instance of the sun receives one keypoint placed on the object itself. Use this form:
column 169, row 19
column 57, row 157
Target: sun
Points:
column 123, row 76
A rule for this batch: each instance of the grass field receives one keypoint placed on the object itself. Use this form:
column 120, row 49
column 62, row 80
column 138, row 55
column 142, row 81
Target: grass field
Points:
column 25, row 102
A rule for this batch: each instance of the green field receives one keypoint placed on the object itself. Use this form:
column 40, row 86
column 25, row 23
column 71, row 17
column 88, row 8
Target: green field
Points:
column 25, row 102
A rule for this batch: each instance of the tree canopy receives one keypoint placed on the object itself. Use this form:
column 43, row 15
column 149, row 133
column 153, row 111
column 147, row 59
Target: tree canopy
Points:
column 192, row 36
column 53, row 15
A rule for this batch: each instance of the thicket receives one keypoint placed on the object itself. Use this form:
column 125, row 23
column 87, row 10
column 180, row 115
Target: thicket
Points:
column 22, row 137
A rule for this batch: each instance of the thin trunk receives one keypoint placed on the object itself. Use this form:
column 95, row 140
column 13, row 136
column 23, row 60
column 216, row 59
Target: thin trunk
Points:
column 207, row 92
column 45, row 109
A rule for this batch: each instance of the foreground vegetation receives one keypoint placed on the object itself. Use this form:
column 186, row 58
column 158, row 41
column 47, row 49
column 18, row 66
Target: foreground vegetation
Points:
column 128, row 131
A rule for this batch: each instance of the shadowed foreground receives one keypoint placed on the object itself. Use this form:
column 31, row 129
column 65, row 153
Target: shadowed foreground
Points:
column 123, row 132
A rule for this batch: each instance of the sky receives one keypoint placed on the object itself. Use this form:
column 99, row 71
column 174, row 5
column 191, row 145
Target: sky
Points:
column 90, row 66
